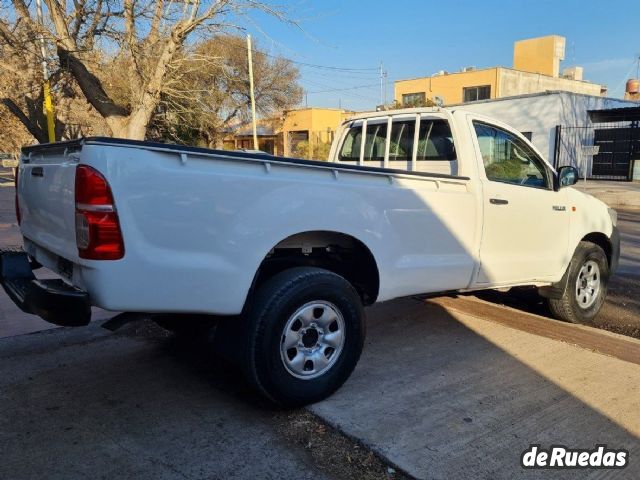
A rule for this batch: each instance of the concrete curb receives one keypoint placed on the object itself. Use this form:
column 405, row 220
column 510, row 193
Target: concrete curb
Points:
column 618, row 200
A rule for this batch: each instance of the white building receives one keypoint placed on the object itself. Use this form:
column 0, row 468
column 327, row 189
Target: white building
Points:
column 561, row 124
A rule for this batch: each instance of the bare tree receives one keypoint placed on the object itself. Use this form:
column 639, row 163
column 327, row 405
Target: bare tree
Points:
column 209, row 95
column 145, row 39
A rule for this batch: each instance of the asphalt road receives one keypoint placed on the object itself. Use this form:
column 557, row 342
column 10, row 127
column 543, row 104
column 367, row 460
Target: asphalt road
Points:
column 87, row 403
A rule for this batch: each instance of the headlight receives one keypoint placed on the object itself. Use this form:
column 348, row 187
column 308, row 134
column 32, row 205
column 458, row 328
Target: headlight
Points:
column 614, row 216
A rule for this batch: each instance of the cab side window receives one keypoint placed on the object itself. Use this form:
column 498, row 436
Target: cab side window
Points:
column 402, row 135
column 375, row 142
column 350, row 150
column 435, row 141
column 508, row 159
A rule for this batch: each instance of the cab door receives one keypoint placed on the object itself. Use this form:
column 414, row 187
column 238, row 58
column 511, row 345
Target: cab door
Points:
column 526, row 223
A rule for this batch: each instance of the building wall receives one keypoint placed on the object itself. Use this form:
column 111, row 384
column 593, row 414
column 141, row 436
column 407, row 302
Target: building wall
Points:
column 536, row 68
column 514, row 82
column 504, row 82
column 449, row 86
column 539, row 55
column 540, row 114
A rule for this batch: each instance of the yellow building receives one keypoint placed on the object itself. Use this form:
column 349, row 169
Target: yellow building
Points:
column 315, row 126
column 536, row 67
column 269, row 138
column 305, row 132
column 539, row 55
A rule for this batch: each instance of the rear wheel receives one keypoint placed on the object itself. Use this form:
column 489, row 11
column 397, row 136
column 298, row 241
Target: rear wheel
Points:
column 305, row 333
column 586, row 289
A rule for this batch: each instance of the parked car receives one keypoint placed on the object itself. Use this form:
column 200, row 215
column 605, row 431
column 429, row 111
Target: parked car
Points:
column 290, row 251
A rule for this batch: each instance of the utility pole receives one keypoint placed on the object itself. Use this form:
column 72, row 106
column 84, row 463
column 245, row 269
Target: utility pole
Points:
column 46, row 87
column 381, row 83
column 253, row 100
column 386, row 87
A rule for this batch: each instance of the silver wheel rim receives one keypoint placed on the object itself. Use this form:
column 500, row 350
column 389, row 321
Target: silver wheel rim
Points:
column 588, row 284
column 312, row 340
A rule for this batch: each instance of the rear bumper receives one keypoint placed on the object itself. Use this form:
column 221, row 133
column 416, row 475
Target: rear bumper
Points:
column 53, row 300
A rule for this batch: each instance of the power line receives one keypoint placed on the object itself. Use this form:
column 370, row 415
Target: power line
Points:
column 357, row 87
column 305, row 64
column 323, row 67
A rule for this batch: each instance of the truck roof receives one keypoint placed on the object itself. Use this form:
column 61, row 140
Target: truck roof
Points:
column 402, row 111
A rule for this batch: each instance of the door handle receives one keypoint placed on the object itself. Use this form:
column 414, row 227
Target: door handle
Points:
column 498, row 201
column 37, row 172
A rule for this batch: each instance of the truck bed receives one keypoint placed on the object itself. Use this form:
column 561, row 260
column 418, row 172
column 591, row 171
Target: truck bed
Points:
column 197, row 223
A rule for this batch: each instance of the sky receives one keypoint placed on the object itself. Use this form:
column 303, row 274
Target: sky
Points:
column 411, row 39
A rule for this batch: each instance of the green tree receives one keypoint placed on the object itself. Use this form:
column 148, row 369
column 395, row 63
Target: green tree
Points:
column 320, row 150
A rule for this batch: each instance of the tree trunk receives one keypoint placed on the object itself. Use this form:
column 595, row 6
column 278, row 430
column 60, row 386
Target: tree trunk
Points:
column 138, row 121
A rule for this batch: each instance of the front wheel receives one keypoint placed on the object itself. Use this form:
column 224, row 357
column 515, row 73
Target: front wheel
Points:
column 586, row 289
column 305, row 334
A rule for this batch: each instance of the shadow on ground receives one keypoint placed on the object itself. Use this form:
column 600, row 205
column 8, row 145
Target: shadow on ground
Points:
column 621, row 312
column 441, row 401
column 431, row 395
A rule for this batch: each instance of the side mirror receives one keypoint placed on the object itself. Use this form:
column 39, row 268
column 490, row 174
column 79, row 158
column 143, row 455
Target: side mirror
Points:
column 567, row 176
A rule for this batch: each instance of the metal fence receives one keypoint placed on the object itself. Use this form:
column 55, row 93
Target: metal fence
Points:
column 599, row 151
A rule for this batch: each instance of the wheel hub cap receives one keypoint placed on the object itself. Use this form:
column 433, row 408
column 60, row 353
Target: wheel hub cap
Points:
column 588, row 284
column 312, row 339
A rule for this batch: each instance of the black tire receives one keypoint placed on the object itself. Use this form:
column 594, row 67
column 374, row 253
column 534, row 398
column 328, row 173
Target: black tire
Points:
column 569, row 308
column 273, row 308
column 186, row 326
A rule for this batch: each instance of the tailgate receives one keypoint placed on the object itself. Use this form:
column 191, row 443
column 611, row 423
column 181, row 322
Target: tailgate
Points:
column 46, row 186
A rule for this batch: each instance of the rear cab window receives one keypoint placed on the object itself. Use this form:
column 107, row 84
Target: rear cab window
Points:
column 413, row 142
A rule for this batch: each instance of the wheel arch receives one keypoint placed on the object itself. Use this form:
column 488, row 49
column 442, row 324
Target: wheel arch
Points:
column 600, row 239
column 335, row 251
column 597, row 238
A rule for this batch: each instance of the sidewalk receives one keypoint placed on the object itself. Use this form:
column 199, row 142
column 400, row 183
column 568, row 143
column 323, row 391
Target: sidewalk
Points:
column 614, row 194
column 441, row 393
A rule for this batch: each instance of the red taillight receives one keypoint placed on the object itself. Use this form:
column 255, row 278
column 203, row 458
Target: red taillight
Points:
column 15, row 180
column 98, row 234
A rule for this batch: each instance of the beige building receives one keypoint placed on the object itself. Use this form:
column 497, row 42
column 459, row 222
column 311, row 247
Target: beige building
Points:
column 316, row 126
column 536, row 68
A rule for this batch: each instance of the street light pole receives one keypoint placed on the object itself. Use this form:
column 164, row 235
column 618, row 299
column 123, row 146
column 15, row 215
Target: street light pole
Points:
column 253, row 100
column 48, row 102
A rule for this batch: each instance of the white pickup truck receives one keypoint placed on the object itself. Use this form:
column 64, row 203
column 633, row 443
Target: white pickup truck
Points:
column 289, row 251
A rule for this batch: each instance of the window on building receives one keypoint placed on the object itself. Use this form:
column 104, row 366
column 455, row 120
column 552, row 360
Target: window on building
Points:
column 435, row 141
column 471, row 94
column 508, row 159
column 414, row 99
column 375, row 142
